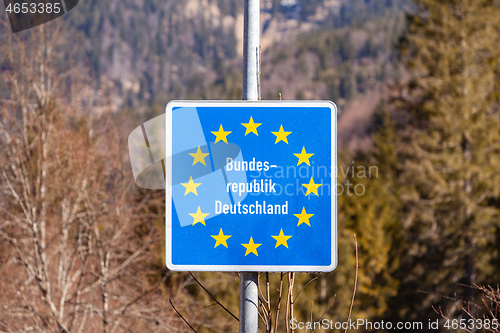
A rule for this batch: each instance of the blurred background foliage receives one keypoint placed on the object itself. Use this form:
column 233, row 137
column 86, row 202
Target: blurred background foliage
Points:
column 417, row 86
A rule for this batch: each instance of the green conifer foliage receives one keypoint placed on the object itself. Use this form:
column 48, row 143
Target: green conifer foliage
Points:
column 448, row 153
column 370, row 210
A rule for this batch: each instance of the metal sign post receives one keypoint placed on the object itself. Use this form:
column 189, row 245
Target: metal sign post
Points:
column 249, row 290
column 249, row 184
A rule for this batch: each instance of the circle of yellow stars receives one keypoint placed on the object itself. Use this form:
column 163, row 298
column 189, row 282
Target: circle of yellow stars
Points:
column 251, row 127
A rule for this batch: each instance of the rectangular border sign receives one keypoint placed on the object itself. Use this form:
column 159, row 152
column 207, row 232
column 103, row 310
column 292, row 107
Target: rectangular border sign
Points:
column 251, row 186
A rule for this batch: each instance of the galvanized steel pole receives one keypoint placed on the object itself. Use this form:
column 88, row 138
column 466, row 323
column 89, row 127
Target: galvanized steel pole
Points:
column 249, row 291
column 249, row 302
column 251, row 40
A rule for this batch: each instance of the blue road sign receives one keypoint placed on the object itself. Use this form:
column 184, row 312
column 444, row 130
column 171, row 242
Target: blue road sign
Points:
column 251, row 186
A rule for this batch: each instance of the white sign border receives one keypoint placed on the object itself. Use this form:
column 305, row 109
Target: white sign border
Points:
column 249, row 268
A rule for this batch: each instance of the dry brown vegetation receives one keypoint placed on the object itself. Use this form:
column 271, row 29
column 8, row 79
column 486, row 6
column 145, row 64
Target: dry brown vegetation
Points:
column 79, row 243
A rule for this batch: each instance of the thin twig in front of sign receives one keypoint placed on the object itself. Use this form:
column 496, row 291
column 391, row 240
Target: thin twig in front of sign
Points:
column 355, row 282
column 215, row 300
column 191, row 327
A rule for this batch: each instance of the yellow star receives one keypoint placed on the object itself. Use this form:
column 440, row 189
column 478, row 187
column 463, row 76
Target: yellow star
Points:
column 221, row 135
column 303, row 217
column 199, row 216
column 220, row 238
column 251, row 247
column 191, row 186
column 303, row 157
column 281, row 135
column 251, row 127
column 281, row 239
column 312, row 187
column 199, row 156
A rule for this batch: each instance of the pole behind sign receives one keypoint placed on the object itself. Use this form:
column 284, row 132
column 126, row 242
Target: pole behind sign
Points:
column 249, row 291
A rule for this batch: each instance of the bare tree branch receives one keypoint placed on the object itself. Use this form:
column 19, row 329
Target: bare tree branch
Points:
column 213, row 298
column 355, row 282
column 191, row 327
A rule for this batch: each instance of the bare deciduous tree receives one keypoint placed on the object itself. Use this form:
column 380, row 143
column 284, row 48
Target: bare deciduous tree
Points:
column 78, row 240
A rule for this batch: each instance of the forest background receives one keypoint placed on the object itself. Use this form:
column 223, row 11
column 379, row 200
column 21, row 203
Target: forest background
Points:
column 417, row 88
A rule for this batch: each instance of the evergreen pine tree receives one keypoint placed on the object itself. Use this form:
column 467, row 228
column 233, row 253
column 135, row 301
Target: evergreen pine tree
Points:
column 448, row 149
column 368, row 207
